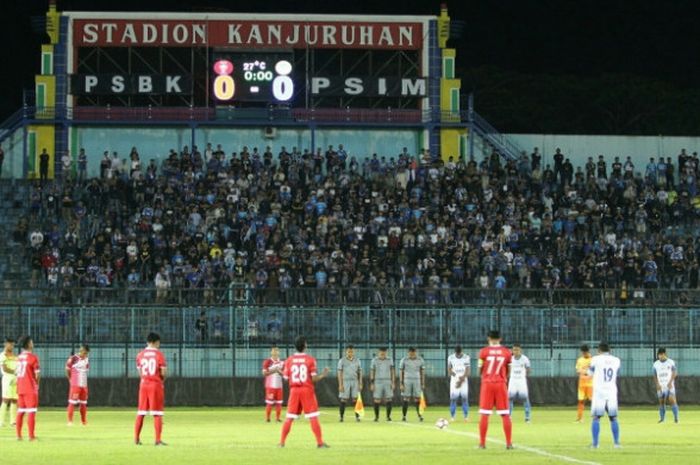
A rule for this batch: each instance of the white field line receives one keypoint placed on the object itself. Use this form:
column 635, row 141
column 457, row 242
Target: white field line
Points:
column 533, row 450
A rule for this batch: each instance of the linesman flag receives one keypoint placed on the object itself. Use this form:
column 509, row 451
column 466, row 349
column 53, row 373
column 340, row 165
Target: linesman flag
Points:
column 422, row 405
column 359, row 406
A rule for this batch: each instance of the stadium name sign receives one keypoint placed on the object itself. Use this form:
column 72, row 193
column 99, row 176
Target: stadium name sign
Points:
column 254, row 34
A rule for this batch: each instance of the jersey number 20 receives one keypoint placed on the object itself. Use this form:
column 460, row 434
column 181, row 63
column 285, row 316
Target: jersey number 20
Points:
column 148, row 366
column 300, row 373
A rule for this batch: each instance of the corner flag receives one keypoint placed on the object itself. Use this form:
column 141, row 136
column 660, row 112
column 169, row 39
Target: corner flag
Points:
column 359, row 406
column 422, row 405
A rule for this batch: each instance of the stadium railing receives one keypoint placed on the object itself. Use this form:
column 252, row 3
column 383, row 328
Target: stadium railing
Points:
column 376, row 296
column 537, row 318
column 224, row 114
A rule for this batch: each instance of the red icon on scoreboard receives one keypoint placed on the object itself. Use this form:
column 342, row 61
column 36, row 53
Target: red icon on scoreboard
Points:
column 223, row 68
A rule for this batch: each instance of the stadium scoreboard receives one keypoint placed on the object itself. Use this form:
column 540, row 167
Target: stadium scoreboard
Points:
column 252, row 76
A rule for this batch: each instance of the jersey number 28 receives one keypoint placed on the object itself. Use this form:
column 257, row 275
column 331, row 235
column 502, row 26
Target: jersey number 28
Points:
column 300, row 373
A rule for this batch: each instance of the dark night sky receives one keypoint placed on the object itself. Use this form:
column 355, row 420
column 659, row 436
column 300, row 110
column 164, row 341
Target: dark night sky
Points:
column 648, row 39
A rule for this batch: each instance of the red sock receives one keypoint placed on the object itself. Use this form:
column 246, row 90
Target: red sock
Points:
column 508, row 429
column 579, row 410
column 316, row 428
column 71, row 410
column 83, row 413
column 31, row 423
column 19, row 420
column 483, row 428
column 286, row 428
column 278, row 411
column 138, row 426
column 158, row 423
column 268, row 409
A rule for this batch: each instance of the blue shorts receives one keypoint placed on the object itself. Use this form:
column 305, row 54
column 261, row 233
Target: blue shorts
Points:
column 666, row 393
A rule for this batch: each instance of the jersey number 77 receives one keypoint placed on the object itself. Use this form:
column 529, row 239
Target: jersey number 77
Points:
column 493, row 361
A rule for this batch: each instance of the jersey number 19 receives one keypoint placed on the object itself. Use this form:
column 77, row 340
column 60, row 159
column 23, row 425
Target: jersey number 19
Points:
column 607, row 374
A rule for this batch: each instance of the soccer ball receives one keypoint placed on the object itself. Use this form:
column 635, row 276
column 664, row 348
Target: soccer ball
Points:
column 441, row 423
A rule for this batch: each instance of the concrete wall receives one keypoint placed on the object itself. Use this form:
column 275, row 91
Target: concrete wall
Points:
column 579, row 147
column 123, row 392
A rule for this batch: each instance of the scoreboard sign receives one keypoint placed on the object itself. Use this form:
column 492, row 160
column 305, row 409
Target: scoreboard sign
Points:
column 269, row 77
column 253, row 77
column 138, row 84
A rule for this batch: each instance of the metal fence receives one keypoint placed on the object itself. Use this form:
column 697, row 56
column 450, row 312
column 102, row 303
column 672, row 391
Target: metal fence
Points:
column 235, row 339
column 427, row 326
column 352, row 296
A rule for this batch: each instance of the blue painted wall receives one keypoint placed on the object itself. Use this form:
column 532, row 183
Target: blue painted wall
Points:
column 216, row 362
column 154, row 142
column 14, row 155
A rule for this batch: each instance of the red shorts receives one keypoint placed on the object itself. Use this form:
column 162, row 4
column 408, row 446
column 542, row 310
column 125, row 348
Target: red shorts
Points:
column 28, row 403
column 274, row 396
column 78, row 395
column 302, row 400
column 493, row 395
column 151, row 399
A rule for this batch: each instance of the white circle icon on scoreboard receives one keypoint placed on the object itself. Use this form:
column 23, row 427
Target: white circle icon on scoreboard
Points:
column 283, row 67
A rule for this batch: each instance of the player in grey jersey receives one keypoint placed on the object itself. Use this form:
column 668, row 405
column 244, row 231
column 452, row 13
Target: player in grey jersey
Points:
column 412, row 381
column 349, row 380
column 382, row 377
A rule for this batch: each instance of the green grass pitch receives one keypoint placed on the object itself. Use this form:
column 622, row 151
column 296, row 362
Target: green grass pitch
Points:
column 230, row 436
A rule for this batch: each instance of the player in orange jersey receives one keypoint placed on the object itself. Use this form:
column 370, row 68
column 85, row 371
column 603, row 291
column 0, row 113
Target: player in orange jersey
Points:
column 585, row 381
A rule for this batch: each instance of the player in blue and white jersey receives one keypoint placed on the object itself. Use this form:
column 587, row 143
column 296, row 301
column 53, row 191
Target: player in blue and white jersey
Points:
column 665, row 378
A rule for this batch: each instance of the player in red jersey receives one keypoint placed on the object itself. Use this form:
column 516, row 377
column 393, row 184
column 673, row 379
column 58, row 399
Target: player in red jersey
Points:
column 150, row 363
column 272, row 371
column 28, row 372
column 300, row 371
column 77, row 368
column 494, row 362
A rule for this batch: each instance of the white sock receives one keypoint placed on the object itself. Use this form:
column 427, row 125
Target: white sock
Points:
column 13, row 413
column 4, row 410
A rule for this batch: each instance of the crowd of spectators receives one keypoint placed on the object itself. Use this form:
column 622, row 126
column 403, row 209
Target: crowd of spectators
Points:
column 333, row 220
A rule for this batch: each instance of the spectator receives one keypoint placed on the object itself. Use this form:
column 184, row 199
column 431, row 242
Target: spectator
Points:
column 274, row 328
column 44, row 159
column 66, row 164
column 218, row 326
column 82, row 166
column 201, row 327
column 162, row 283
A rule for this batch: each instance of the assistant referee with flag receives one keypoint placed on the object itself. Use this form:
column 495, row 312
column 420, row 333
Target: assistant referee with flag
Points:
column 349, row 380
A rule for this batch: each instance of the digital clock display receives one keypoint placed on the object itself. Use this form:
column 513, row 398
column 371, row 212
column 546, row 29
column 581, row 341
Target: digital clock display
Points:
column 253, row 77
